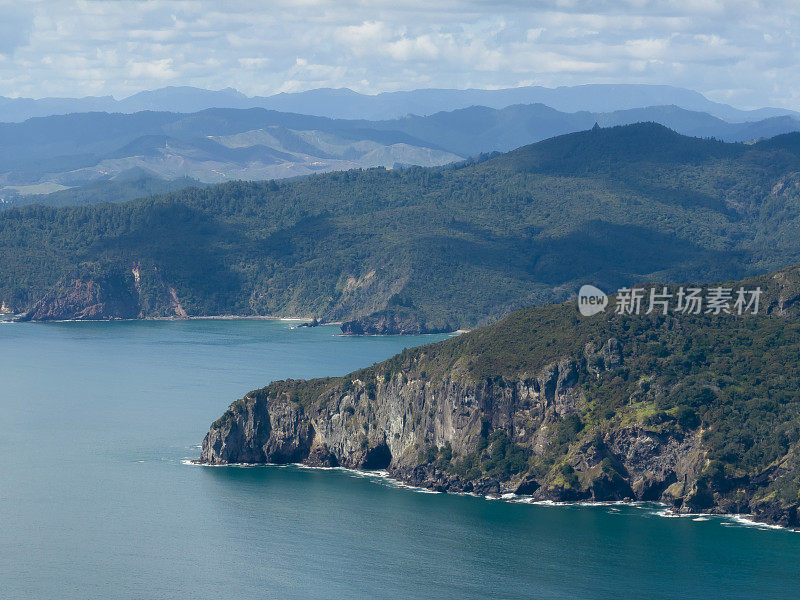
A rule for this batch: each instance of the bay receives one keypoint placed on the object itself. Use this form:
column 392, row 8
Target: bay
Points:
column 96, row 501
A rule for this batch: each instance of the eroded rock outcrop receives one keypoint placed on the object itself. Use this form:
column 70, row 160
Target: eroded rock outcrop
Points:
column 402, row 423
column 99, row 293
column 433, row 432
column 86, row 298
column 391, row 322
column 698, row 412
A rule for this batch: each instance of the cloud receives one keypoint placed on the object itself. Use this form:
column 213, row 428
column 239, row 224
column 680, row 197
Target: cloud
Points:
column 154, row 69
column 740, row 51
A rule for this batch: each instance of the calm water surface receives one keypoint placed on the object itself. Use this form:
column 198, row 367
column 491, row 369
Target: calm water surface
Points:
column 96, row 419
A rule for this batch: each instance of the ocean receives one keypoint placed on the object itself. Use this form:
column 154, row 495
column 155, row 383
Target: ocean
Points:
column 97, row 499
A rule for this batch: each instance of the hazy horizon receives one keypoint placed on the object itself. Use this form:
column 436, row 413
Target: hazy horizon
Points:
column 741, row 53
column 232, row 89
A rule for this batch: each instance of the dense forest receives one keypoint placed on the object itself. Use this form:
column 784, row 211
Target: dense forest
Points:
column 133, row 185
column 448, row 247
column 700, row 411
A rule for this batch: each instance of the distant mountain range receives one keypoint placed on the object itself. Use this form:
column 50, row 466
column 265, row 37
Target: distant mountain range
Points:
column 347, row 104
column 210, row 146
column 64, row 152
column 478, row 129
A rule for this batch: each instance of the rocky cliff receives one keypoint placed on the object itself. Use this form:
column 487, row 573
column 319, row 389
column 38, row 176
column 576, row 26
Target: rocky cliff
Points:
column 392, row 322
column 98, row 293
column 460, row 437
column 552, row 405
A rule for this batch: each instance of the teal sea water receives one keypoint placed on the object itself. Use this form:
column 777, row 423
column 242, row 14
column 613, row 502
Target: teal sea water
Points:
column 96, row 420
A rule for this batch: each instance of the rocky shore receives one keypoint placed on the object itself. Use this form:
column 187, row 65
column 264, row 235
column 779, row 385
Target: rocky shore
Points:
column 697, row 412
column 415, row 429
column 390, row 322
column 142, row 293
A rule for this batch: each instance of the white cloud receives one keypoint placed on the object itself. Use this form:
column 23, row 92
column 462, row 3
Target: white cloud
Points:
column 155, row 69
column 740, row 51
column 363, row 37
column 648, row 48
column 423, row 47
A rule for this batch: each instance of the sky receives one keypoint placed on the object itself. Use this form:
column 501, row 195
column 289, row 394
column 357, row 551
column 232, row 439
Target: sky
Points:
column 743, row 52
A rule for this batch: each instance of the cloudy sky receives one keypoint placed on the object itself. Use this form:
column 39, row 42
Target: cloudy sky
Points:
column 744, row 52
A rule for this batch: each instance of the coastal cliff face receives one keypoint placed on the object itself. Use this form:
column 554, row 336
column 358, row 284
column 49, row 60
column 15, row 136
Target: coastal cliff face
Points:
column 456, row 436
column 85, row 298
column 392, row 322
column 96, row 293
column 414, row 428
column 551, row 405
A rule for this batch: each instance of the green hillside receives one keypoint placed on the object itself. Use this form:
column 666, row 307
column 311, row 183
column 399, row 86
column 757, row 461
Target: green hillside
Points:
column 445, row 248
column 699, row 411
column 134, row 185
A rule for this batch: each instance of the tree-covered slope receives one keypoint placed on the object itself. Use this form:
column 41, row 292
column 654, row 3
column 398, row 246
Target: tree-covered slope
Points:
column 131, row 185
column 435, row 249
column 700, row 411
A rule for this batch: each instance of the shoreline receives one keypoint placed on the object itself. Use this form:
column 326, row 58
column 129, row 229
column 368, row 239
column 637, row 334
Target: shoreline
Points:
column 189, row 318
column 17, row 319
column 665, row 511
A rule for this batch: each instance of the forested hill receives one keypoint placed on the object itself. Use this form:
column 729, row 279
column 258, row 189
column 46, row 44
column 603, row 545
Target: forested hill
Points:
column 419, row 249
column 699, row 411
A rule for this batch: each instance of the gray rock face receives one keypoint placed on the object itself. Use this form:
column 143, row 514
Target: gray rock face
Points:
column 390, row 322
column 84, row 299
column 418, row 428
column 392, row 426
column 103, row 294
column 259, row 431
